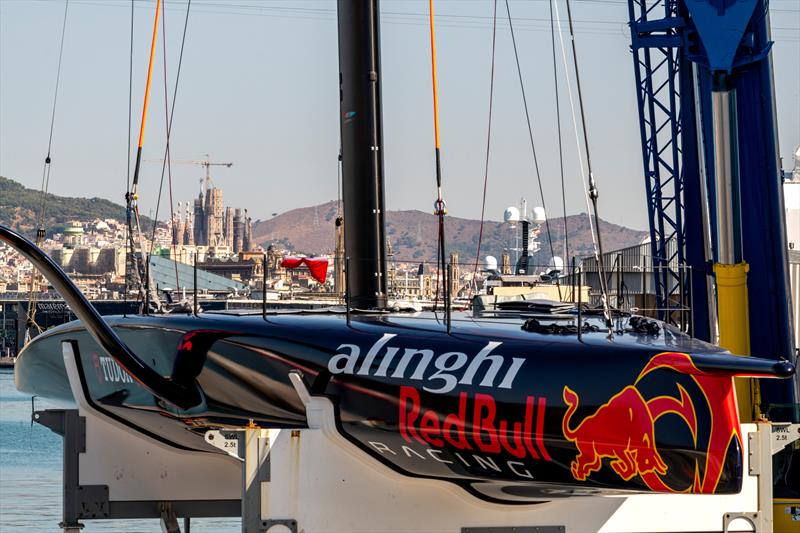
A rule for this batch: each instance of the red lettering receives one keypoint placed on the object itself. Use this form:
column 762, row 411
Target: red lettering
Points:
column 430, row 429
column 540, row 428
column 459, row 422
column 483, row 431
column 407, row 418
column 485, row 424
column 529, row 408
column 516, row 447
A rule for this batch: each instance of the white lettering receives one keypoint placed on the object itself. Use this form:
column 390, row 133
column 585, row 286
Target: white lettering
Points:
column 511, row 373
column 408, row 451
column 387, row 360
column 103, row 364
column 450, row 381
column 350, row 360
column 435, row 455
column 381, row 447
column 486, row 463
column 524, row 473
column 367, row 364
column 450, row 369
column 495, row 362
column 425, row 359
column 112, row 372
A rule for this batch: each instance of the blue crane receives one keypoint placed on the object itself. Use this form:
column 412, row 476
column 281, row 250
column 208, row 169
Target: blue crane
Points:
column 700, row 64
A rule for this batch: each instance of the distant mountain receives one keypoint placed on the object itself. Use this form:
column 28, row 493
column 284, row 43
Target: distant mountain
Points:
column 412, row 234
column 310, row 230
column 19, row 208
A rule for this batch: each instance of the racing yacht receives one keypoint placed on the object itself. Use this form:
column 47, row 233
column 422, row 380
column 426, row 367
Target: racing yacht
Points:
column 510, row 410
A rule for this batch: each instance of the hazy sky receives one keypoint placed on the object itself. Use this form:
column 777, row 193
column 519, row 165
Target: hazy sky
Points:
column 259, row 88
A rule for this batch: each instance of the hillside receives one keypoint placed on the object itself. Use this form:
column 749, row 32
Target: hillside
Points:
column 412, row 234
column 19, row 208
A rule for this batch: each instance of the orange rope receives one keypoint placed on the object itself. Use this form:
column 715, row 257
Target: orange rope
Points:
column 433, row 76
column 149, row 73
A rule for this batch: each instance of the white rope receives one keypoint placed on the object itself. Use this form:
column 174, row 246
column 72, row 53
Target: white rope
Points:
column 575, row 129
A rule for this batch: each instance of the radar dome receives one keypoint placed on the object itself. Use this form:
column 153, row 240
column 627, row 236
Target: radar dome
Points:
column 511, row 215
column 539, row 215
column 490, row 262
column 556, row 263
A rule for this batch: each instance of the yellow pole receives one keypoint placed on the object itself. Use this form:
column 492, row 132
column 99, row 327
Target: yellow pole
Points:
column 149, row 75
column 734, row 330
column 433, row 78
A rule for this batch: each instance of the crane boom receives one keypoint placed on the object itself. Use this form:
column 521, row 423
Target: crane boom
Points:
column 206, row 163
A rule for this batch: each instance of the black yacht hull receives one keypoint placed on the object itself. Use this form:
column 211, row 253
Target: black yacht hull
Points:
column 509, row 415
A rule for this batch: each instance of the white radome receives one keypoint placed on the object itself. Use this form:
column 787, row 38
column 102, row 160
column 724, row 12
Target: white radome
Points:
column 511, row 215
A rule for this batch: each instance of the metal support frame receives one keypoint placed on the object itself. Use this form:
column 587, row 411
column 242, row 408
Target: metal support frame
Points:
column 253, row 449
column 656, row 50
column 667, row 125
column 680, row 47
column 765, row 442
column 92, row 502
column 80, row 501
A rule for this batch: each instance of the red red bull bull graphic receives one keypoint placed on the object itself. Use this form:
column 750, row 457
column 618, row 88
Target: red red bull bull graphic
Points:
column 621, row 433
column 664, row 422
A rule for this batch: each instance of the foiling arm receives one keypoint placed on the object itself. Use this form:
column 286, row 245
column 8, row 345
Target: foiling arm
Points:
column 182, row 392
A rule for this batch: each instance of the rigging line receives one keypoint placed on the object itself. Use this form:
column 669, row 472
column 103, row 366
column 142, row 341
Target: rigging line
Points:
column 167, row 162
column 560, row 142
column 167, row 125
column 30, row 319
column 488, row 145
column 130, row 100
column 533, row 146
column 592, row 184
column 131, row 197
column 440, row 207
column 128, row 173
column 47, row 160
column 575, row 127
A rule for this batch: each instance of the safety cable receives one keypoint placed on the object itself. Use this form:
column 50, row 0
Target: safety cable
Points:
column 170, row 114
column 533, row 146
column 40, row 230
column 488, row 145
column 440, row 207
column 592, row 184
column 560, row 141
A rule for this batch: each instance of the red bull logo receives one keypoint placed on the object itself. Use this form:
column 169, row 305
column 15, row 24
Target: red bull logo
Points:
column 622, row 430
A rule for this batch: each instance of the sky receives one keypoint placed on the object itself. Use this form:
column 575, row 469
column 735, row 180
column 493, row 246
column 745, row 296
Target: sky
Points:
column 259, row 88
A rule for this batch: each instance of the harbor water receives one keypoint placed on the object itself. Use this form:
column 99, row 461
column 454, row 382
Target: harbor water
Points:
column 30, row 475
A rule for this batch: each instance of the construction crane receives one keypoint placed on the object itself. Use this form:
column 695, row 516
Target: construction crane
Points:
column 205, row 182
column 692, row 100
column 704, row 89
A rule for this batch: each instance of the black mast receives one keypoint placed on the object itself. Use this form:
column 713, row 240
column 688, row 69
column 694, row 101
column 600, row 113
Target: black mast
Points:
column 362, row 160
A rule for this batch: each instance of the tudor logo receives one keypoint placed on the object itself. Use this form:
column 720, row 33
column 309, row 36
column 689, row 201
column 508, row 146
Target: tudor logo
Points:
column 109, row 371
column 439, row 373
